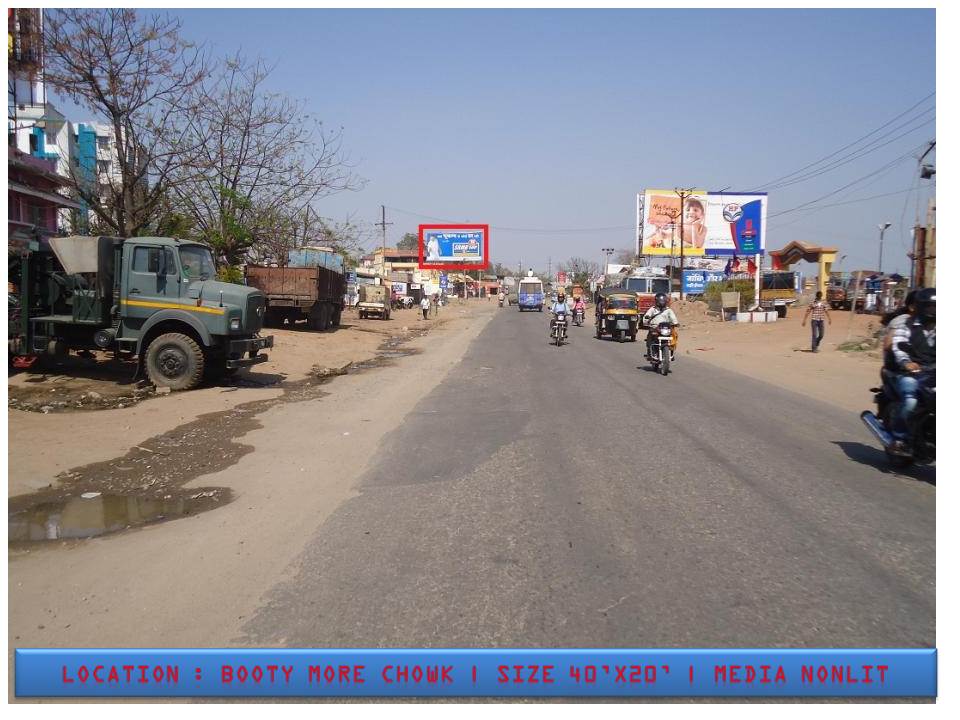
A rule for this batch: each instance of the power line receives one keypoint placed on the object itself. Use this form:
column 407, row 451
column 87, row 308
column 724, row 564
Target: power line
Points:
column 849, row 145
column 617, row 228
column 849, row 184
column 846, row 202
column 857, row 154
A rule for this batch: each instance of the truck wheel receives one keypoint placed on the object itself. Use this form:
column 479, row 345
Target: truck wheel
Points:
column 781, row 311
column 336, row 318
column 174, row 360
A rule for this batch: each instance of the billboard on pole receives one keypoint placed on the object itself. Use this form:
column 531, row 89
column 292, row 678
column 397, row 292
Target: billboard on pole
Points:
column 454, row 247
column 714, row 223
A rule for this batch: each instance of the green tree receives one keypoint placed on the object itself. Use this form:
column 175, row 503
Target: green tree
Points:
column 409, row 242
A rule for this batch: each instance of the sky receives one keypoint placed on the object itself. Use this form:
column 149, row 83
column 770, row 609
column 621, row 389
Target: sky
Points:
column 546, row 123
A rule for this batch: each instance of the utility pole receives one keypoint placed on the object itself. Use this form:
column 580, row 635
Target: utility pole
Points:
column 383, row 226
column 883, row 228
column 550, row 271
column 607, row 252
column 683, row 194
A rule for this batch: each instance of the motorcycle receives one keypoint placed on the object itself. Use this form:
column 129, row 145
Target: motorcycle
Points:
column 661, row 348
column 921, row 441
column 558, row 330
column 578, row 317
column 500, row 302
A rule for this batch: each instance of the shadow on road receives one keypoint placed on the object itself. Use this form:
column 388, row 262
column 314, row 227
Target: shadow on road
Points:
column 876, row 458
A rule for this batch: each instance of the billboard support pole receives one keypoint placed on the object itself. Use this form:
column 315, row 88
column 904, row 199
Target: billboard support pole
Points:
column 756, row 281
column 683, row 194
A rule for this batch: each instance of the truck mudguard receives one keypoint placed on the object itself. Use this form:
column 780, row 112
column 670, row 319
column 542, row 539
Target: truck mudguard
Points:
column 178, row 315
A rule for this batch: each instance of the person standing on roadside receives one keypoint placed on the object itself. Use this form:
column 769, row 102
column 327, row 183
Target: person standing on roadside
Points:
column 434, row 304
column 817, row 311
column 425, row 306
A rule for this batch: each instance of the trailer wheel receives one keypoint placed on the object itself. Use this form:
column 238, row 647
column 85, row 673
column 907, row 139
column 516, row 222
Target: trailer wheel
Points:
column 174, row 360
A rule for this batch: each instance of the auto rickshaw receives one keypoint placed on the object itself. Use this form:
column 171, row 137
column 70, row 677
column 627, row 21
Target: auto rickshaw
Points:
column 620, row 314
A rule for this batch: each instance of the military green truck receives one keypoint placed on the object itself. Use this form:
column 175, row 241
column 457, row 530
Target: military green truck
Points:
column 374, row 301
column 153, row 298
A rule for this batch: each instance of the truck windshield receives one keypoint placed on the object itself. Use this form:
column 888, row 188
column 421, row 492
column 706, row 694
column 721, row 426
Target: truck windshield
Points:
column 197, row 262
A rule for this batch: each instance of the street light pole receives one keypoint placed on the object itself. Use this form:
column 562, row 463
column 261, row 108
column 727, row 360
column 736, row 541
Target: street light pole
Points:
column 606, row 263
column 883, row 227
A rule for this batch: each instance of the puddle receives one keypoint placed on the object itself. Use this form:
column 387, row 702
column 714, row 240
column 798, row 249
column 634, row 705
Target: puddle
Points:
column 78, row 517
column 146, row 485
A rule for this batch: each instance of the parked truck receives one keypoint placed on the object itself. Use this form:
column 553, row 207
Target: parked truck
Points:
column 311, row 287
column 779, row 290
column 155, row 299
column 374, row 301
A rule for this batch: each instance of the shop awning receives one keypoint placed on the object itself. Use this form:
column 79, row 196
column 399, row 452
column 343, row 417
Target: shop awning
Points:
column 55, row 198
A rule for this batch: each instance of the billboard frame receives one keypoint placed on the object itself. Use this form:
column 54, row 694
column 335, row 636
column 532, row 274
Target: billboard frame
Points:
column 423, row 265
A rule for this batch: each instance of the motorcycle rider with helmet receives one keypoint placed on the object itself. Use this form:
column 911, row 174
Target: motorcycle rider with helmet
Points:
column 919, row 330
column 560, row 306
column 658, row 313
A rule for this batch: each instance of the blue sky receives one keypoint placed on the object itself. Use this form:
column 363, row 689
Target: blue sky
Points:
column 555, row 119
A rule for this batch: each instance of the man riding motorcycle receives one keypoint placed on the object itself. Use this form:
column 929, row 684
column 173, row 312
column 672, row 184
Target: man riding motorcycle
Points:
column 920, row 331
column 559, row 307
column 579, row 306
column 657, row 314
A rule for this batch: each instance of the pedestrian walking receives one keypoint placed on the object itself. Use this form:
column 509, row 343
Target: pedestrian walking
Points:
column 425, row 306
column 434, row 304
column 817, row 311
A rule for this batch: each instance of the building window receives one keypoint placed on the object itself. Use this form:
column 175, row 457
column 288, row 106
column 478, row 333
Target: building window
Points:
column 103, row 142
column 103, row 167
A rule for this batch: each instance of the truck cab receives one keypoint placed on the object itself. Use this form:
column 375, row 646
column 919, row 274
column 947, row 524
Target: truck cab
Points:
column 151, row 297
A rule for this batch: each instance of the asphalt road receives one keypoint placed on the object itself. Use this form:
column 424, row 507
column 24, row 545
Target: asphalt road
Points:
column 564, row 497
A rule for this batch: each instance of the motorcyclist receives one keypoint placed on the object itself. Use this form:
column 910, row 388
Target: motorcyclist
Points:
column 501, row 297
column 919, row 331
column 580, row 306
column 658, row 313
column 559, row 307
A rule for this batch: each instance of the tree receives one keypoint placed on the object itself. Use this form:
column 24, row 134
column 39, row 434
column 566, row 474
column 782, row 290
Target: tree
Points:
column 410, row 242
column 580, row 270
column 625, row 257
column 261, row 162
column 140, row 76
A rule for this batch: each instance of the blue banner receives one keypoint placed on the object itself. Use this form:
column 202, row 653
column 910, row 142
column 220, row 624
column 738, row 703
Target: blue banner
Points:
column 453, row 245
column 443, row 281
column 476, row 673
column 695, row 281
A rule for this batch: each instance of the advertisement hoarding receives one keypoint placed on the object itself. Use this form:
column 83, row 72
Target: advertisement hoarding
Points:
column 454, row 247
column 714, row 223
column 695, row 281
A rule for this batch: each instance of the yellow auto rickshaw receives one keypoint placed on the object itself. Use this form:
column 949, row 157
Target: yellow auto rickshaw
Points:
column 618, row 315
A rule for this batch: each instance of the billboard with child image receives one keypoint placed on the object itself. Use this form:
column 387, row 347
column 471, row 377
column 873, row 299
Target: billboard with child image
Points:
column 713, row 223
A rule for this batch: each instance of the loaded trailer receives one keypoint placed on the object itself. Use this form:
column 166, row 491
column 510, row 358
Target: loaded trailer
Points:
column 311, row 287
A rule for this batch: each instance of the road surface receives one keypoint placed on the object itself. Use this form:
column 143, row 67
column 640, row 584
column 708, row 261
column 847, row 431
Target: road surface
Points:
column 544, row 497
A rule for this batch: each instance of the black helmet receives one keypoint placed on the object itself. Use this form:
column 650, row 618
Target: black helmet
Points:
column 660, row 300
column 926, row 302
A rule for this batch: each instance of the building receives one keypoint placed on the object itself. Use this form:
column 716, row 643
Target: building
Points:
column 34, row 200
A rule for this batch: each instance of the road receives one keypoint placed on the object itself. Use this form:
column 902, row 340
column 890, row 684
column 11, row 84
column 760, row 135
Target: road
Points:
column 544, row 496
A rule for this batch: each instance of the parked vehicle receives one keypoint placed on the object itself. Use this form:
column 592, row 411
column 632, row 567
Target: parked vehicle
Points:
column 662, row 348
column 374, row 302
column 779, row 290
column 153, row 298
column 530, row 294
column 840, row 295
column 620, row 316
column 922, row 426
column 312, row 292
column 558, row 329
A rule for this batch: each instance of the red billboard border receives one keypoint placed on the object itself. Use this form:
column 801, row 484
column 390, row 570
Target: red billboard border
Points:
column 455, row 266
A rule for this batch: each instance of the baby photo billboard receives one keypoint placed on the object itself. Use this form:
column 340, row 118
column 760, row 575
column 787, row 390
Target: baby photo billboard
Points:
column 713, row 223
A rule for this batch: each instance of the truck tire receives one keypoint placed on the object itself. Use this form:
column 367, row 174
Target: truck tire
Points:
column 174, row 360
column 781, row 311
column 336, row 318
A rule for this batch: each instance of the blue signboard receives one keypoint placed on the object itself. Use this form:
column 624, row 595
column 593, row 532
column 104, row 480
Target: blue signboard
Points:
column 330, row 672
column 352, row 277
column 695, row 281
column 453, row 245
column 443, row 281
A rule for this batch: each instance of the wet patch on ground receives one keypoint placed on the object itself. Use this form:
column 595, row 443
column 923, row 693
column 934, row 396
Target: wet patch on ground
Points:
column 146, row 485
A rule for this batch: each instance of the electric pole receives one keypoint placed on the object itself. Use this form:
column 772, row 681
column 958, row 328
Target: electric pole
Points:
column 683, row 194
column 383, row 226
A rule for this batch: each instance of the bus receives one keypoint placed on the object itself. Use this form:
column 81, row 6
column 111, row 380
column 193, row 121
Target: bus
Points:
column 530, row 295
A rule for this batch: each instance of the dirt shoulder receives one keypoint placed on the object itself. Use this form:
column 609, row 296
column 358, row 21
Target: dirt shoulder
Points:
column 92, row 410
column 779, row 353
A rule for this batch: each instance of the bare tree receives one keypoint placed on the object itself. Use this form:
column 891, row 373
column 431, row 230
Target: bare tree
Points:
column 580, row 270
column 139, row 75
column 625, row 257
column 263, row 163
